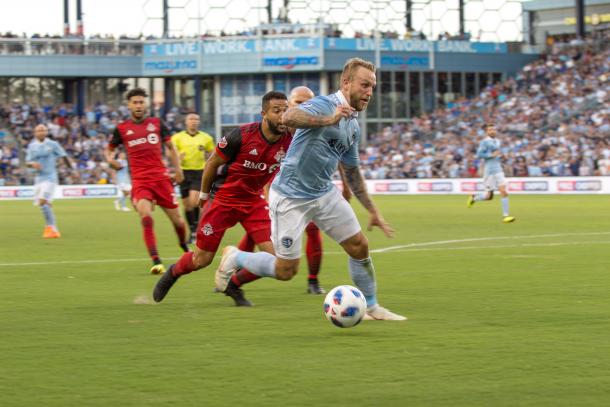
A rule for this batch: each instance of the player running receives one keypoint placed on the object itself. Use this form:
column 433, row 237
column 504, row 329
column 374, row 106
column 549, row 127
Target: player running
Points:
column 42, row 155
column 192, row 145
column 489, row 150
column 303, row 191
column 143, row 138
column 313, row 245
column 122, row 180
column 233, row 180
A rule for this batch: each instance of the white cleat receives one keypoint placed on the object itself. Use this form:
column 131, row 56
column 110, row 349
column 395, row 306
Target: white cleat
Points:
column 125, row 209
column 378, row 313
column 222, row 278
column 227, row 267
column 116, row 205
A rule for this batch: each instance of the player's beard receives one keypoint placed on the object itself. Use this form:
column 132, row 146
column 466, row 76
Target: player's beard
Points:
column 277, row 129
column 357, row 102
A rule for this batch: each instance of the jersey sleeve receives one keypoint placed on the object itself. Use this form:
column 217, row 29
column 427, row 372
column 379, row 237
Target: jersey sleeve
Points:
column 166, row 135
column 209, row 144
column 115, row 139
column 228, row 147
column 351, row 157
column 176, row 141
column 318, row 106
column 29, row 155
column 58, row 150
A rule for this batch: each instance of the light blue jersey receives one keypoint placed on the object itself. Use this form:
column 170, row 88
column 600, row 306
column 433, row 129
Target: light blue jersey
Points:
column 486, row 148
column 122, row 175
column 314, row 154
column 46, row 154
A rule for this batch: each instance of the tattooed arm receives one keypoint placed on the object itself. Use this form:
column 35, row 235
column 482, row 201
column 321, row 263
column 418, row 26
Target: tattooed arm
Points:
column 297, row 118
column 358, row 186
column 356, row 183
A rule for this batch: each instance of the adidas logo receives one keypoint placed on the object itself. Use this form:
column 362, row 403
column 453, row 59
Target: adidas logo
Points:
column 129, row 132
column 253, row 152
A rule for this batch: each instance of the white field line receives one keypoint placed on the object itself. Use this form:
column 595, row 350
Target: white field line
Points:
column 484, row 239
column 423, row 246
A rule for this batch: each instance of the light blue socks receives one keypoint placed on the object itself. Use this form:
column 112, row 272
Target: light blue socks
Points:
column 363, row 276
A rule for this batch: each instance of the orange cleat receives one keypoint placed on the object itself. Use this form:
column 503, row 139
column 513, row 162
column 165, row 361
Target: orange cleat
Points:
column 51, row 233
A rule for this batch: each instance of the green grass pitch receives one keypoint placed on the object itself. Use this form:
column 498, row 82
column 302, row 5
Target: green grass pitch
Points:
column 499, row 314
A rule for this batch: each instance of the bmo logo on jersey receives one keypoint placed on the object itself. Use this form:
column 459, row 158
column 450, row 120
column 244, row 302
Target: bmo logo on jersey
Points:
column 152, row 138
column 255, row 166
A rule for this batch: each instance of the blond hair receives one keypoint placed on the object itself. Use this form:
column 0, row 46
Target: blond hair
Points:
column 352, row 65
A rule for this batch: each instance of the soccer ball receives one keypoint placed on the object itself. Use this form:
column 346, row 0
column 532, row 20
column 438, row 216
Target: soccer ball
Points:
column 345, row 306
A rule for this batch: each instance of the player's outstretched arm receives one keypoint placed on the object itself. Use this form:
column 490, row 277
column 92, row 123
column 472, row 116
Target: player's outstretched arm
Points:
column 209, row 175
column 358, row 186
column 297, row 118
column 109, row 155
column 174, row 158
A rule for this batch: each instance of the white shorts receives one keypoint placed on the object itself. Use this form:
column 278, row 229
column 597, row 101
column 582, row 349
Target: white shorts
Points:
column 44, row 190
column 289, row 217
column 493, row 181
column 124, row 187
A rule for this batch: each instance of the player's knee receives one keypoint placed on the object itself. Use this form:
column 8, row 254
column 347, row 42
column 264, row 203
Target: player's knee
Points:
column 285, row 275
column 357, row 246
column 287, row 272
column 202, row 259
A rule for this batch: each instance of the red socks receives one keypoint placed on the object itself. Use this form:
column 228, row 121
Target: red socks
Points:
column 246, row 244
column 313, row 250
column 184, row 265
column 149, row 237
column 181, row 232
column 243, row 276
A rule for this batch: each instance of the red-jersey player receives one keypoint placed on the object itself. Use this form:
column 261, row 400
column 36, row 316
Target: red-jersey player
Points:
column 313, row 247
column 143, row 139
column 233, row 179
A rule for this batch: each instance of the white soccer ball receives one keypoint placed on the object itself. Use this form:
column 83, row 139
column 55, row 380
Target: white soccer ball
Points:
column 345, row 306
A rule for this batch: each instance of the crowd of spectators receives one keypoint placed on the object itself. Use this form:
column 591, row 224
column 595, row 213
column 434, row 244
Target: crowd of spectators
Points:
column 553, row 119
column 83, row 138
column 108, row 44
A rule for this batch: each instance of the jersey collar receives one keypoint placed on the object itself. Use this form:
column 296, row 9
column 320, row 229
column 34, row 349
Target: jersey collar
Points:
column 343, row 101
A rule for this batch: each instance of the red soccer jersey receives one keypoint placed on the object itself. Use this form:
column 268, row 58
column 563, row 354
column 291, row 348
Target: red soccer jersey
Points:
column 252, row 162
column 143, row 142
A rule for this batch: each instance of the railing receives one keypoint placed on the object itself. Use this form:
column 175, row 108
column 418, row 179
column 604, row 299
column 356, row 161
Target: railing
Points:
column 70, row 46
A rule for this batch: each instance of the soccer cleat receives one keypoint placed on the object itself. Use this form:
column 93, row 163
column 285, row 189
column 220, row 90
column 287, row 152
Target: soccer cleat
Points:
column 470, row 201
column 508, row 219
column 237, row 294
column 221, row 278
column 378, row 313
column 50, row 233
column 228, row 263
column 157, row 269
column 116, row 205
column 313, row 287
column 125, row 209
column 162, row 287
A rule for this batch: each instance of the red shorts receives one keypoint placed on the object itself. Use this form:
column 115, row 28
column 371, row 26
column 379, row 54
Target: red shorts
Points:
column 159, row 192
column 217, row 218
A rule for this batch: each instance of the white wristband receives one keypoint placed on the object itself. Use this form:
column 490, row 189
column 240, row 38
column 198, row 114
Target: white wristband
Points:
column 203, row 196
